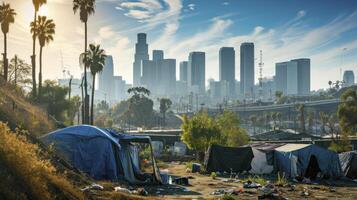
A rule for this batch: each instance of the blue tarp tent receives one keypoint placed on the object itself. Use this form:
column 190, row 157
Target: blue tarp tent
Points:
column 102, row 153
column 306, row 160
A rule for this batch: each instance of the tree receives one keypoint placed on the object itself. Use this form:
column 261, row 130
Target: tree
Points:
column 279, row 118
column 44, row 29
column 323, row 119
column 19, row 71
column 200, row 132
column 310, row 121
column 231, row 132
column 85, row 8
column 54, row 96
column 74, row 108
column 253, row 119
column 301, row 109
column 37, row 4
column 165, row 105
column 274, row 117
column 7, row 17
column 140, row 109
column 347, row 112
column 267, row 120
column 95, row 60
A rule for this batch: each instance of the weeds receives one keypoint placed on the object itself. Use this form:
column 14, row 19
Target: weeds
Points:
column 281, row 181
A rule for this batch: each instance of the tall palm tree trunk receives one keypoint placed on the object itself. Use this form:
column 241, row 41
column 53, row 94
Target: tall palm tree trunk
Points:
column 92, row 107
column 33, row 61
column 86, row 97
column 6, row 67
column 40, row 76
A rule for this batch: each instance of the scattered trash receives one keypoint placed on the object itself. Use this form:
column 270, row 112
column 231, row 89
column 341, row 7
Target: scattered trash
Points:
column 218, row 192
column 142, row 192
column 331, row 189
column 120, row 189
column 237, row 192
column 251, row 191
column 181, row 181
column 94, row 186
column 305, row 192
column 196, row 167
column 306, row 181
column 164, row 176
column 250, row 184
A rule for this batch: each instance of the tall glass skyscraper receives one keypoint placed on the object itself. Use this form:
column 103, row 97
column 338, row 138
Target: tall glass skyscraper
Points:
column 141, row 53
column 197, row 72
column 183, row 71
column 227, row 70
column 247, row 69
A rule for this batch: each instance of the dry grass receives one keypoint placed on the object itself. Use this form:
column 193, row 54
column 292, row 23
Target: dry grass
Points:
column 18, row 112
column 26, row 175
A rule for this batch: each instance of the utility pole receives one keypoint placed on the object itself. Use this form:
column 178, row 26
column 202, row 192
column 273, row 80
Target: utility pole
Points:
column 15, row 69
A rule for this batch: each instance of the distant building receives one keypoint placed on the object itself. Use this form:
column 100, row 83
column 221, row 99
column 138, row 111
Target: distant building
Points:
column 281, row 77
column 75, row 85
column 167, row 77
column 106, row 77
column 157, row 55
column 247, row 69
column 348, row 78
column 149, row 74
column 119, row 90
column 227, row 68
column 183, row 71
column 268, row 87
column 196, row 72
column 293, row 77
column 141, row 53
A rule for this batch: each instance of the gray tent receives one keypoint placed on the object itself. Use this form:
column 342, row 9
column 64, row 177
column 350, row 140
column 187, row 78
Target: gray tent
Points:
column 349, row 164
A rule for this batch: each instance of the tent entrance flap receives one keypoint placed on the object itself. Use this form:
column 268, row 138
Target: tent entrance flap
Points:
column 313, row 168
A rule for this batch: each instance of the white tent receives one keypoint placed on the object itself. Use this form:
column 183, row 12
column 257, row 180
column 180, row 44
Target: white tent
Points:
column 259, row 163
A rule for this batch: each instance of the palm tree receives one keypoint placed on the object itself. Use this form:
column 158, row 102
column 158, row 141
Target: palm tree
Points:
column 7, row 16
column 44, row 29
column 85, row 8
column 95, row 60
column 37, row 4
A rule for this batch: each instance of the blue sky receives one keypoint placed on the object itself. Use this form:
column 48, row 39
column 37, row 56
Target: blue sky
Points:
column 323, row 30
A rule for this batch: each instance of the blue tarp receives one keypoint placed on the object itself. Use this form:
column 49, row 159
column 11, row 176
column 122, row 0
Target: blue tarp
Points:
column 294, row 160
column 93, row 150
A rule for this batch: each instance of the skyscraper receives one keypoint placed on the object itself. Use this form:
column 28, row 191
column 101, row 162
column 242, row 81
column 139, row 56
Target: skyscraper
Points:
column 348, row 78
column 303, row 76
column 157, row 55
column 148, row 74
column 106, row 77
column 281, row 77
column 293, row 77
column 141, row 53
column 166, row 76
column 247, row 69
column 196, row 72
column 227, row 68
column 183, row 71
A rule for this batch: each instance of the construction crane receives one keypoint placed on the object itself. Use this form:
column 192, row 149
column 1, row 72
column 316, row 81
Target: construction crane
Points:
column 261, row 64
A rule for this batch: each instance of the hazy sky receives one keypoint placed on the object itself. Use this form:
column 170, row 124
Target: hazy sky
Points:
column 323, row 30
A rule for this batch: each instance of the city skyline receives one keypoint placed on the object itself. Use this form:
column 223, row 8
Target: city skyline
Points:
column 322, row 31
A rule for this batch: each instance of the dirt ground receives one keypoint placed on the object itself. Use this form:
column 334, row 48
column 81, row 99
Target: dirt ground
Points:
column 201, row 187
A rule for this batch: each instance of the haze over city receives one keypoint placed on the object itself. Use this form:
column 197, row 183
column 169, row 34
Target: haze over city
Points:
column 324, row 31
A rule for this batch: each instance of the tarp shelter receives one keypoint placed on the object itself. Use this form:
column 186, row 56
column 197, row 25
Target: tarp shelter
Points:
column 306, row 160
column 259, row 163
column 349, row 164
column 102, row 153
column 228, row 159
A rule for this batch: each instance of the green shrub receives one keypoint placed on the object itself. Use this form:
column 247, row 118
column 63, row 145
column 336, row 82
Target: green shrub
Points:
column 213, row 175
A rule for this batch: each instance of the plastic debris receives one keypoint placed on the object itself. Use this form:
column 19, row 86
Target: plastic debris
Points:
column 94, row 186
column 120, row 189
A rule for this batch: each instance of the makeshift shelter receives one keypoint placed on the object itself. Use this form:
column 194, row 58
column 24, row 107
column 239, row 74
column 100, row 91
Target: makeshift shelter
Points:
column 102, row 153
column 306, row 160
column 226, row 159
column 349, row 164
column 259, row 163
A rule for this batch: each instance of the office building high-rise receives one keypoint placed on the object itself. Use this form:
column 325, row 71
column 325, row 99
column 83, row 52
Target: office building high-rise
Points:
column 166, row 76
column 183, row 71
column 247, row 69
column 293, row 77
column 105, row 82
column 196, row 72
column 348, row 78
column 281, row 77
column 141, row 53
column 304, row 76
column 157, row 55
column 148, row 74
column 227, row 68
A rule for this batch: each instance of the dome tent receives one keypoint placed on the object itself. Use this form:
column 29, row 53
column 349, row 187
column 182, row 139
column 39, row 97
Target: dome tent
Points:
column 102, row 153
column 349, row 164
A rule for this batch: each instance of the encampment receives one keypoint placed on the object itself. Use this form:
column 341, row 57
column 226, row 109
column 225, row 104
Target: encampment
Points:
column 349, row 164
column 102, row 153
column 306, row 160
